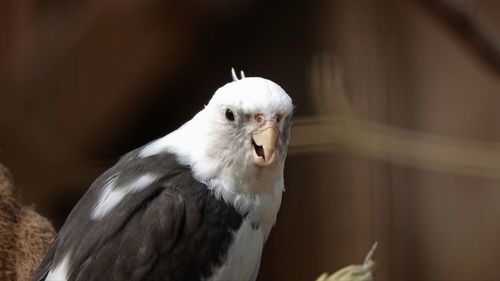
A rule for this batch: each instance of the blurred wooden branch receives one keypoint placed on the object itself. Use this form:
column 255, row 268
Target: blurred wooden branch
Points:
column 343, row 130
column 396, row 145
column 476, row 33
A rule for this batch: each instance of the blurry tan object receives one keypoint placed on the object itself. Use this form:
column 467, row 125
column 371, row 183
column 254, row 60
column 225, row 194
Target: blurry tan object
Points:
column 337, row 127
column 24, row 235
column 355, row 272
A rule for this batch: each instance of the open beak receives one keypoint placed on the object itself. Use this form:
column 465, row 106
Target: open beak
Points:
column 264, row 145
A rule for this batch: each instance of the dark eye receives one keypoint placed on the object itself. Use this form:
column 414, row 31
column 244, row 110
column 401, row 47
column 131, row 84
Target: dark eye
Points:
column 229, row 115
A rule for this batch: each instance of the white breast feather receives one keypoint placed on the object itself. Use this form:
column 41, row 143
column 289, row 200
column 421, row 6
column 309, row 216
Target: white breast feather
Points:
column 243, row 258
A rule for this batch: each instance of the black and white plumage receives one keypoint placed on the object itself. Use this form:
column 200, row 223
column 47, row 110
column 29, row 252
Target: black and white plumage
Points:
column 197, row 204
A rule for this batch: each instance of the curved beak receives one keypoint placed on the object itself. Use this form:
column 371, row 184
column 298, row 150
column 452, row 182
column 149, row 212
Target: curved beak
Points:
column 264, row 145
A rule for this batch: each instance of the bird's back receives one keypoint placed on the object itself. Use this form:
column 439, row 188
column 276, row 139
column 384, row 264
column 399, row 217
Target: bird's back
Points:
column 172, row 229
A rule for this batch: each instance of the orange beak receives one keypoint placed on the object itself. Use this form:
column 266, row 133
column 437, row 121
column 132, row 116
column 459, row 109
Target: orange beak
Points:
column 264, row 144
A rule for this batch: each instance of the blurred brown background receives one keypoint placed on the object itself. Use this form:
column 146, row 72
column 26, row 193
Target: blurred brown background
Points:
column 83, row 82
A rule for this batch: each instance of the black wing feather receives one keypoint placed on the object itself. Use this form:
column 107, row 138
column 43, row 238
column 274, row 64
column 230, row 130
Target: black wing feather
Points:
column 173, row 229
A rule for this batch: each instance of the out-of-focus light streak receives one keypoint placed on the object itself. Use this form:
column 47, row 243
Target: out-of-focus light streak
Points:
column 342, row 130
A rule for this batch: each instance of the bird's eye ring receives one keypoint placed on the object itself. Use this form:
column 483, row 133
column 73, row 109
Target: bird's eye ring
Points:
column 229, row 115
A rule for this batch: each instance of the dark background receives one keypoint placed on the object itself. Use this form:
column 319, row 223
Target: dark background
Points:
column 83, row 82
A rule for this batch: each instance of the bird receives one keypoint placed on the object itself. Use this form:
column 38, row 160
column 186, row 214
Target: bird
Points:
column 196, row 204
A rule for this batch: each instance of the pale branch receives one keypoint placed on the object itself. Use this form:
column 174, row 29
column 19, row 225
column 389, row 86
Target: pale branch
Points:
column 396, row 145
column 342, row 130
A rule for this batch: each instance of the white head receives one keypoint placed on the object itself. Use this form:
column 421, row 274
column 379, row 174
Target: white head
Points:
column 252, row 118
column 239, row 139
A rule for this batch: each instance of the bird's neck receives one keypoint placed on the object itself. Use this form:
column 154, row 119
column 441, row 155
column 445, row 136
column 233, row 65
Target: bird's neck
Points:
column 245, row 186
